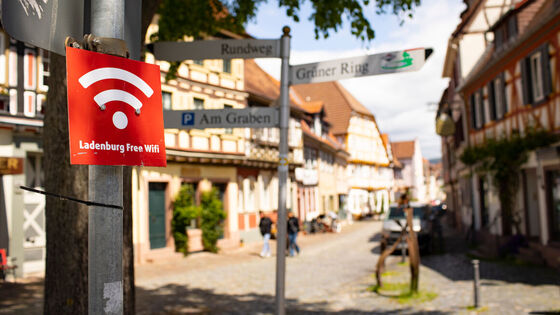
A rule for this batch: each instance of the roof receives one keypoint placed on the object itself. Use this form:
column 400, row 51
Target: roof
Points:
column 330, row 141
column 338, row 103
column 389, row 147
column 260, row 83
column 314, row 107
column 466, row 16
column 403, row 149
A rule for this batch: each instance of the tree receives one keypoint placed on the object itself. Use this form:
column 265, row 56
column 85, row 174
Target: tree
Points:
column 66, row 226
column 184, row 212
column 212, row 219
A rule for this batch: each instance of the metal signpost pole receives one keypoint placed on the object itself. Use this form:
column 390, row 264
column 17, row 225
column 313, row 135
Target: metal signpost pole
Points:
column 282, row 173
column 106, row 186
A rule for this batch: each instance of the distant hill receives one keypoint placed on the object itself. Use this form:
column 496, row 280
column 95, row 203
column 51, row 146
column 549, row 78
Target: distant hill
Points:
column 435, row 161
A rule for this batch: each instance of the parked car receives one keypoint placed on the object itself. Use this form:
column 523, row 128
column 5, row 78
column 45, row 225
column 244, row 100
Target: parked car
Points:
column 396, row 220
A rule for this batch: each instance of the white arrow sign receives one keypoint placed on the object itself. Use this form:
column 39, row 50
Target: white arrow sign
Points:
column 254, row 117
column 333, row 70
column 216, row 49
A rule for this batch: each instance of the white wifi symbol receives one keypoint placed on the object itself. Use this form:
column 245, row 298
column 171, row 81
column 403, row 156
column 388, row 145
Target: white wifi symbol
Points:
column 119, row 118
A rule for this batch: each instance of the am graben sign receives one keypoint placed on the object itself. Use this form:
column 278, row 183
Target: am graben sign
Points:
column 253, row 117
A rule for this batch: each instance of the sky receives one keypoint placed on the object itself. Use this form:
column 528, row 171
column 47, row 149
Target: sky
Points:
column 400, row 102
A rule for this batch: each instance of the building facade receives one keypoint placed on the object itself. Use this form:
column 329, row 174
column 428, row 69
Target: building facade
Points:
column 511, row 87
column 412, row 172
column 353, row 125
column 24, row 73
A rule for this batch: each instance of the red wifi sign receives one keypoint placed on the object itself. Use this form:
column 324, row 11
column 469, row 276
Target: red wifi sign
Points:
column 114, row 110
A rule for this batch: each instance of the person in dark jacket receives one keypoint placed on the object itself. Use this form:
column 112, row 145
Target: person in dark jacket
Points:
column 265, row 226
column 293, row 229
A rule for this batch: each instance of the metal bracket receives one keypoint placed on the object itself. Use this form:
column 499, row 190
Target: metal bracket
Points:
column 105, row 45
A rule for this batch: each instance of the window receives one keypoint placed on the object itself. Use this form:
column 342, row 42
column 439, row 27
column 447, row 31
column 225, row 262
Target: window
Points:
column 228, row 131
column 4, row 103
column 505, row 30
column 227, row 65
column 198, row 103
column 166, row 100
column 535, row 75
column 45, row 61
column 478, row 115
column 497, row 98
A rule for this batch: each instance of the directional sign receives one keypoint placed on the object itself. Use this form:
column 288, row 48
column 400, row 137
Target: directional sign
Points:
column 44, row 24
column 255, row 117
column 216, row 49
column 333, row 70
column 114, row 110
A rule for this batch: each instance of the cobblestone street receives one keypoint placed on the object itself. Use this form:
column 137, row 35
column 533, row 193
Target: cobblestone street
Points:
column 331, row 276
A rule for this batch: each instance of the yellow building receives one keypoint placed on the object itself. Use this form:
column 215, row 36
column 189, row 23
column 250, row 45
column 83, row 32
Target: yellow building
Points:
column 203, row 158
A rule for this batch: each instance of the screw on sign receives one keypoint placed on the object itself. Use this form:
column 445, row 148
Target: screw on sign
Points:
column 114, row 110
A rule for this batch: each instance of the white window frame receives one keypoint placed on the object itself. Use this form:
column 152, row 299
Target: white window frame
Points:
column 536, row 77
column 29, row 69
column 2, row 58
column 199, row 98
column 45, row 59
column 29, row 104
column 170, row 100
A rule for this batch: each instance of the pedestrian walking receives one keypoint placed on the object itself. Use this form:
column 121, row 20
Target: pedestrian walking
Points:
column 293, row 229
column 265, row 226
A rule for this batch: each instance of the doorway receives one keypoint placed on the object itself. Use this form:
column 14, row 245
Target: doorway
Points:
column 157, row 215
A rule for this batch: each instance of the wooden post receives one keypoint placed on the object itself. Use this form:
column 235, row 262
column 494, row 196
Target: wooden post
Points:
column 413, row 252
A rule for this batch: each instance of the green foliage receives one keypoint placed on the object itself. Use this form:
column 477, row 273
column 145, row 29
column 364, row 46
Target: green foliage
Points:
column 472, row 308
column 198, row 19
column 212, row 218
column 184, row 211
column 421, row 296
column 400, row 291
column 502, row 159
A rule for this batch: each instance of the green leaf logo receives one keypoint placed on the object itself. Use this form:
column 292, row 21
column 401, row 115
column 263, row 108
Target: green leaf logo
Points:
column 399, row 64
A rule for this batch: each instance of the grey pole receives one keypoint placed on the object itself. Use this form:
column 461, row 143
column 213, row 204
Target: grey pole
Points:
column 283, row 174
column 105, row 238
column 476, row 275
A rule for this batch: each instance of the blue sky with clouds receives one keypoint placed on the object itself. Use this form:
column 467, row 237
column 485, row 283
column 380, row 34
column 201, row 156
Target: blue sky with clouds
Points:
column 398, row 101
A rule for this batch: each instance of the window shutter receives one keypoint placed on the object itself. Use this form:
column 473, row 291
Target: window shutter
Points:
column 526, row 81
column 473, row 111
column 492, row 100
column 545, row 63
column 483, row 119
column 505, row 105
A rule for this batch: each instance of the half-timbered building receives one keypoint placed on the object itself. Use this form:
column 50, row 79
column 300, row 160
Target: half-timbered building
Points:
column 510, row 84
column 24, row 73
column 368, row 172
